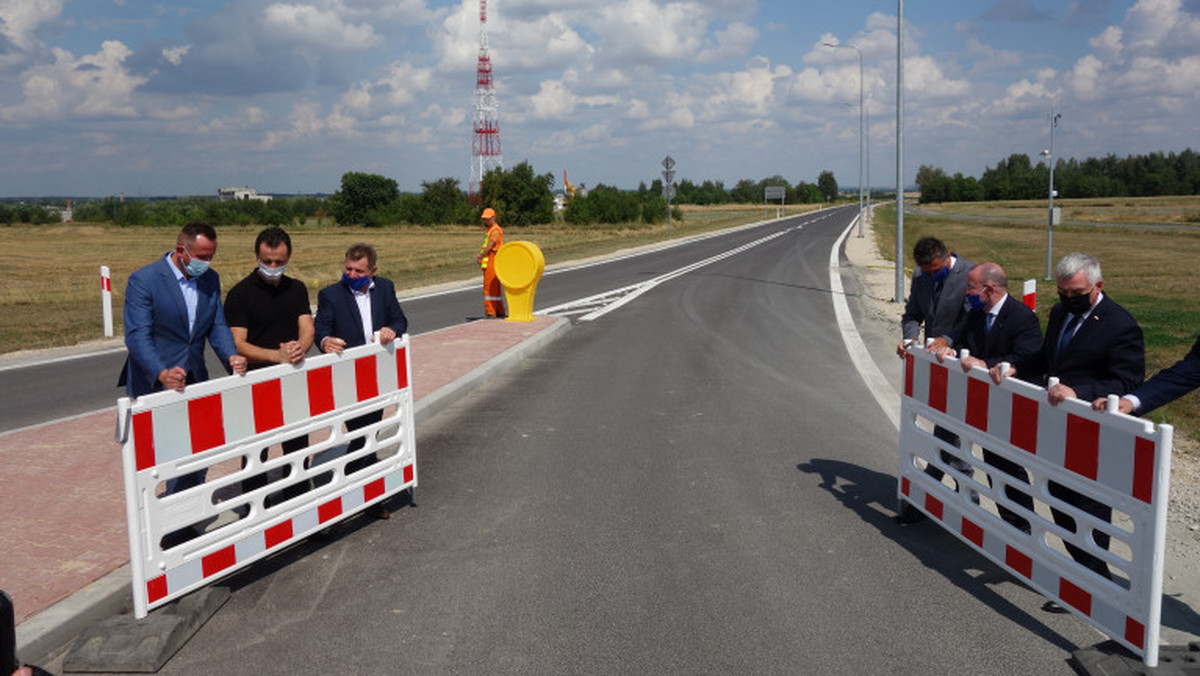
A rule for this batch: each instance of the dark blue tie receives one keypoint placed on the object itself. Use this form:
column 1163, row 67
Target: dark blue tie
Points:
column 991, row 319
column 1068, row 331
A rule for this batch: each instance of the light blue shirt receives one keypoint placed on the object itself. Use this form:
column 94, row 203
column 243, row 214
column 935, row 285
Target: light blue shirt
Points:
column 188, row 286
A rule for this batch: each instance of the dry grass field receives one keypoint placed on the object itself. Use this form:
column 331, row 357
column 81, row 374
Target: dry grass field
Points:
column 1143, row 266
column 49, row 275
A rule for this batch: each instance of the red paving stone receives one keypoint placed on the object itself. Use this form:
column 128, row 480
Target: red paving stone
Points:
column 62, row 498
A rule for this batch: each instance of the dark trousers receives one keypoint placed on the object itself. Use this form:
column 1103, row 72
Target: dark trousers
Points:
column 950, row 438
column 1093, row 507
column 1019, row 473
column 355, row 424
column 293, row 489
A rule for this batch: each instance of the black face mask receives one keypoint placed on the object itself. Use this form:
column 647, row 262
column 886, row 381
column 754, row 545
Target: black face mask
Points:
column 1076, row 305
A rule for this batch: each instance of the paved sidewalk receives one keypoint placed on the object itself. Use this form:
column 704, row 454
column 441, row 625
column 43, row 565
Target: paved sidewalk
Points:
column 63, row 532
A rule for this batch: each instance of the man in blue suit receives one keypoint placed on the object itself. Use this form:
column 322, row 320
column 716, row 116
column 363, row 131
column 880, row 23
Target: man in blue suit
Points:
column 1165, row 387
column 349, row 313
column 173, row 306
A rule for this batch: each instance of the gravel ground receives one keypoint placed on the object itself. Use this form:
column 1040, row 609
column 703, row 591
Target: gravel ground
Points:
column 1181, row 586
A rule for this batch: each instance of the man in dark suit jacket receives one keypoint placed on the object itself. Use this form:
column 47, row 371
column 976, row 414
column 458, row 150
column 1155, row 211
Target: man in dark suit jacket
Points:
column 998, row 329
column 349, row 312
column 1165, row 387
column 172, row 306
column 1095, row 348
column 936, row 301
column 935, row 298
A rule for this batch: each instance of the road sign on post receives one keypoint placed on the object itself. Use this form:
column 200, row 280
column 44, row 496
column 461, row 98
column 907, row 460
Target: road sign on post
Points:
column 775, row 192
column 668, row 192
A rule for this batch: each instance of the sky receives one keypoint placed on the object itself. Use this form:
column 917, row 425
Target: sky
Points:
column 182, row 97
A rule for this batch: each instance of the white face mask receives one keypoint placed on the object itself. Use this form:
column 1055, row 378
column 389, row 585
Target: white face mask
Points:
column 195, row 267
column 269, row 273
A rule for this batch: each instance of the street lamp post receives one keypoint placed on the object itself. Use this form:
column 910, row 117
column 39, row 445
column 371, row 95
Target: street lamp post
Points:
column 1049, row 155
column 899, row 151
column 861, row 127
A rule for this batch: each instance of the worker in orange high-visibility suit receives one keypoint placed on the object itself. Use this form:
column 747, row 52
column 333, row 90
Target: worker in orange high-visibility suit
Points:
column 493, row 298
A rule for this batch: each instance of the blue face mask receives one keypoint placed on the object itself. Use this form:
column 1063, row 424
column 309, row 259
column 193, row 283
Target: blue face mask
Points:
column 356, row 284
column 942, row 274
column 195, row 267
column 975, row 301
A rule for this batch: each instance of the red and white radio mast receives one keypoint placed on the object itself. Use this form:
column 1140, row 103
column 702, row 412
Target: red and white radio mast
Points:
column 485, row 140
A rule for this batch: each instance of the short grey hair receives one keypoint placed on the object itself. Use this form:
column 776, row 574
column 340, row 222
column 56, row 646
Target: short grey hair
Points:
column 1072, row 263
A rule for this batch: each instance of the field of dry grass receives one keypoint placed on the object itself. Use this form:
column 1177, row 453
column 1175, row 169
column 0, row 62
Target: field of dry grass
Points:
column 49, row 275
column 1143, row 266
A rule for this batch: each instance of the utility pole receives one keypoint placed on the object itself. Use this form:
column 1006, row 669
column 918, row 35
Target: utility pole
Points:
column 900, row 152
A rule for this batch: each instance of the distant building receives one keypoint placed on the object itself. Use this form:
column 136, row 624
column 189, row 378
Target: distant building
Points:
column 226, row 194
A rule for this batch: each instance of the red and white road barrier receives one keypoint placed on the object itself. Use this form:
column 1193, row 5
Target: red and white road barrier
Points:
column 1118, row 460
column 106, row 300
column 214, row 529
column 1030, row 294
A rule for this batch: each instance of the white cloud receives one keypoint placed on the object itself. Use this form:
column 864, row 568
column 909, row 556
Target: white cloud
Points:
column 175, row 55
column 313, row 26
column 94, row 85
column 20, row 19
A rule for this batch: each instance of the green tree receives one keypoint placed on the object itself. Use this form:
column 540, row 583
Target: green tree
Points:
column 360, row 194
column 519, row 196
column 828, row 186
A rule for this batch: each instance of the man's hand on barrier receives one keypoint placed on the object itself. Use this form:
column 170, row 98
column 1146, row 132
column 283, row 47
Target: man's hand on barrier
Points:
column 941, row 352
column 386, row 335
column 969, row 363
column 290, row 352
column 173, row 378
column 333, row 344
column 1058, row 393
column 238, row 363
column 902, row 346
column 999, row 373
column 1123, row 405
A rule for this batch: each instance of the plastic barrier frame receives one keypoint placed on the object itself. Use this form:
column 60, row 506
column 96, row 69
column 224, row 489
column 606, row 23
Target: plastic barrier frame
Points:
column 167, row 435
column 1120, row 460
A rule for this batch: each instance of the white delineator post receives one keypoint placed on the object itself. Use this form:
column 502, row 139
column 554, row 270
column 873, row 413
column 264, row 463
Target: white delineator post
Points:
column 1030, row 294
column 106, row 300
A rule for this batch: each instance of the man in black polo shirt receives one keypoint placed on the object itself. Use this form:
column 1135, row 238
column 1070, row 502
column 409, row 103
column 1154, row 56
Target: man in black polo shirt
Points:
column 271, row 320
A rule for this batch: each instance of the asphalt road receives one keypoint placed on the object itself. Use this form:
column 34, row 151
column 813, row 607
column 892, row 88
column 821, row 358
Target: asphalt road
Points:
column 694, row 483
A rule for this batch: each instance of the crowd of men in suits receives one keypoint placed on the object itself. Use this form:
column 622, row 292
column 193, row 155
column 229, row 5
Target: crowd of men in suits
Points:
column 1092, row 346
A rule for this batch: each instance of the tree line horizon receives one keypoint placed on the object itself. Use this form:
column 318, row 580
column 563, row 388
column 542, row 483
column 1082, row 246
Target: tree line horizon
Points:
column 523, row 197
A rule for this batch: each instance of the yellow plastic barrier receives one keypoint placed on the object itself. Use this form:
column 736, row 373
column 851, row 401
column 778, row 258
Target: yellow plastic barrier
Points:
column 519, row 265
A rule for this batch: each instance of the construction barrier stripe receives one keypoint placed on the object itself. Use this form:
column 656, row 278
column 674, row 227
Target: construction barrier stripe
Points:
column 220, row 421
column 282, row 533
column 173, row 431
column 1115, row 458
column 1028, row 567
column 1118, row 460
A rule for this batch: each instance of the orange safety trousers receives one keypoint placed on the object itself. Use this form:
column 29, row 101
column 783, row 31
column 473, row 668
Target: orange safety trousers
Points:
column 493, row 291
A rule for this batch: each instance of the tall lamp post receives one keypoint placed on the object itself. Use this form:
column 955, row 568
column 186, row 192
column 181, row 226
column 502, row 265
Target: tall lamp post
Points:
column 899, row 151
column 861, row 127
column 1049, row 155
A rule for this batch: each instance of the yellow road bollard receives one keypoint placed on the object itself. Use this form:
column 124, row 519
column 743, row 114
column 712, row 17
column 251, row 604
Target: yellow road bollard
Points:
column 519, row 265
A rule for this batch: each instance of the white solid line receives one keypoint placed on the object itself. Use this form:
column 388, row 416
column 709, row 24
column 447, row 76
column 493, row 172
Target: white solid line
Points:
column 879, row 386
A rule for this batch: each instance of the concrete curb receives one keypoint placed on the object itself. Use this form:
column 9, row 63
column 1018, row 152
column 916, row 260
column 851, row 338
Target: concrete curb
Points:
column 44, row 635
column 437, row 401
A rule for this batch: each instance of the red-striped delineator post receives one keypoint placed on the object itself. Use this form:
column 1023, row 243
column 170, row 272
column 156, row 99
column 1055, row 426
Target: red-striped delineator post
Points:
column 217, row 425
column 106, row 300
column 1119, row 460
column 1030, row 294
